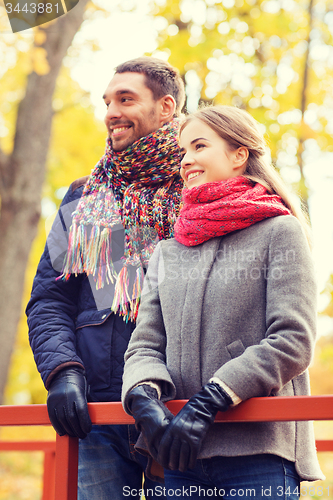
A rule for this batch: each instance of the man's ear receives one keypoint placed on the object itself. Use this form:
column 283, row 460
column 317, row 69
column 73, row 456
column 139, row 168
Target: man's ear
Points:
column 168, row 108
column 240, row 158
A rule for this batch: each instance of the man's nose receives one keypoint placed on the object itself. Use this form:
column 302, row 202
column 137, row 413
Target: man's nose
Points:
column 112, row 112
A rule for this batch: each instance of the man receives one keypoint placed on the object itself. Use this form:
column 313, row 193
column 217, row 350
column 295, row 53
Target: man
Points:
column 86, row 291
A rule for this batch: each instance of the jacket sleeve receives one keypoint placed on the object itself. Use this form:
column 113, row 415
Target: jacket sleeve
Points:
column 287, row 349
column 52, row 308
column 145, row 355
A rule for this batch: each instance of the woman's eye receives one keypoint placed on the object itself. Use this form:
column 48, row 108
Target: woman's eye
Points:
column 199, row 145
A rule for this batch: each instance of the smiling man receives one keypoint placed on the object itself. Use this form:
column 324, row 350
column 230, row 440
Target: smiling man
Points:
column 86, row 291
column 132, row 112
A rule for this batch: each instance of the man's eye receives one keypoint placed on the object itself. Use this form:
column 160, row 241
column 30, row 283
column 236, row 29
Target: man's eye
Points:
column 126, row 99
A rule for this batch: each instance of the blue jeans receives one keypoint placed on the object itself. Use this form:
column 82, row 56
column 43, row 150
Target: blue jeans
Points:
column 236, row 478
column 109, row 467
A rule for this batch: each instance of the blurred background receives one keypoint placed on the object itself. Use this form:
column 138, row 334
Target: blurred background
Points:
column 273, row 58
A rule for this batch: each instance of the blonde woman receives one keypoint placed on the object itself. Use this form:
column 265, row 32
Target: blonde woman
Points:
column 228, row 313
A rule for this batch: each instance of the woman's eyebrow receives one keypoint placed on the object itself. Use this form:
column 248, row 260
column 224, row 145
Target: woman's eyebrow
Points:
column 199, row 139
column 182, row 150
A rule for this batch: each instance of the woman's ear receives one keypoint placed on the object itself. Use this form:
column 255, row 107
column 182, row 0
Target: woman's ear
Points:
column 168, row 108
column 240, row 158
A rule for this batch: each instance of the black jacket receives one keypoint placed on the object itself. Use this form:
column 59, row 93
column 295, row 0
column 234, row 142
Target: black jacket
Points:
column 70, row 323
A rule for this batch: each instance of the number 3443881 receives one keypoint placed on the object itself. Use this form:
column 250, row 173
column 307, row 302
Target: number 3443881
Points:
column 33, row 8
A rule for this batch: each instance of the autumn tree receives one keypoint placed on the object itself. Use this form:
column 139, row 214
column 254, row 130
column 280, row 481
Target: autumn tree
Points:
column 271, row 57
column 22, row 171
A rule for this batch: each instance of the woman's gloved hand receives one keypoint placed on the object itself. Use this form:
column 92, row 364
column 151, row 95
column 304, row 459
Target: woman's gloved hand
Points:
column 151, row 416
column 182, row 440
column 67, row 403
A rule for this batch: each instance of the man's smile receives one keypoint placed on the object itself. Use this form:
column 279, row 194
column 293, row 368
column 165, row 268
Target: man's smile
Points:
column 116, row 131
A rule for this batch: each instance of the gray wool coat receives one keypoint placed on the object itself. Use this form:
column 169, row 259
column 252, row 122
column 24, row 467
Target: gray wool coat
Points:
column 242, row 308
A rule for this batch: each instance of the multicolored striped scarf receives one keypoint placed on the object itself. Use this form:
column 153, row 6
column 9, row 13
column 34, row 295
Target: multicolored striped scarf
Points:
column 138, row 189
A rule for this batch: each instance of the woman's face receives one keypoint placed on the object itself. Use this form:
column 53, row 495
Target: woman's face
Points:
column 206, row 157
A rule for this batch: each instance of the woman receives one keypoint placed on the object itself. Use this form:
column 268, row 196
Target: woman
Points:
column 228, row 313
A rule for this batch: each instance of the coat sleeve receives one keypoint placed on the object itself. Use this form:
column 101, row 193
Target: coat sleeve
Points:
column 52, row 308
column 287, row 349
column 145, row 355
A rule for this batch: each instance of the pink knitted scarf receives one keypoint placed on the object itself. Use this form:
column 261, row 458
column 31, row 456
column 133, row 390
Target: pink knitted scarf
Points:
column 218, row 208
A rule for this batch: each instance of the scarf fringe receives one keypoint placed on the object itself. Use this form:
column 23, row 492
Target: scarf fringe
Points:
column 73, row 260
column 98, row 263
column 97, row 252
column 126, row 304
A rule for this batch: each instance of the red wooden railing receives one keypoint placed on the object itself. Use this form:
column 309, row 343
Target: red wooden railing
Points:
column 66, row 448
column 49, row 449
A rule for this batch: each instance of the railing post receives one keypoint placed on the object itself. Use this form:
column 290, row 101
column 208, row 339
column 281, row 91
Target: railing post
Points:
column 66, row 471
column 49, row 476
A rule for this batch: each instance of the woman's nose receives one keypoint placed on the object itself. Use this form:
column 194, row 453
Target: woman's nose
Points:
column 187, row 161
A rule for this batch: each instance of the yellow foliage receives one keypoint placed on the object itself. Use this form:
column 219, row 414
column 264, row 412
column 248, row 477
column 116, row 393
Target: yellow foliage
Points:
column 321, row 370
column 40, row 36
column 39, row 61
column 328, row 291
column 272, row 44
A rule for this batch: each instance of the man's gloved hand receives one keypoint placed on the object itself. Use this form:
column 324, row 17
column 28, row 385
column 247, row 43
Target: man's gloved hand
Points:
column 151, row 416
column 182, row 440
column 67, row 403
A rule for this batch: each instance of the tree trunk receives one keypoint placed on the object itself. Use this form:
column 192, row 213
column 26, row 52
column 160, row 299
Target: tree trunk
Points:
column 21, row 178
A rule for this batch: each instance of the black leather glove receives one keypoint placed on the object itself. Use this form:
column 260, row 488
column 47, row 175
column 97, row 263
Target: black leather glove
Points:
column 151, row 416
column 182, row 441
column 67, row 403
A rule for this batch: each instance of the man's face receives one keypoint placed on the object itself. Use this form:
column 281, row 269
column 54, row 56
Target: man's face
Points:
column 132, row 112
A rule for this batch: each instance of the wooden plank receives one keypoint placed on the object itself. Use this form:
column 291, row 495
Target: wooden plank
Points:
column 252, row 410
column 49, row 446
column 324, row 444
column 24, row 415
column 66, row 459
column 281, row 409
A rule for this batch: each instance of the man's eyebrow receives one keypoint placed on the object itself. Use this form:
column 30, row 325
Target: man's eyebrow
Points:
column 123, row 91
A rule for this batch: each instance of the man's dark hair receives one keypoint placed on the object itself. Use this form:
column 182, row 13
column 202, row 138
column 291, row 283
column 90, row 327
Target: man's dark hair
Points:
column 160, row 77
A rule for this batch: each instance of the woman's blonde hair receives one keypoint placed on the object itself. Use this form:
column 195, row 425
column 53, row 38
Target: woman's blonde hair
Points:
column 238, row 128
